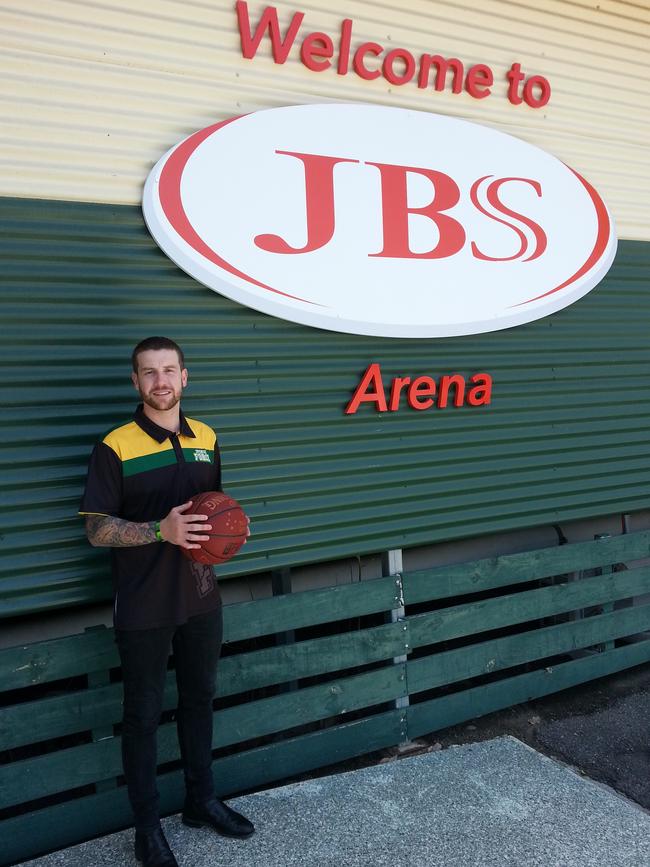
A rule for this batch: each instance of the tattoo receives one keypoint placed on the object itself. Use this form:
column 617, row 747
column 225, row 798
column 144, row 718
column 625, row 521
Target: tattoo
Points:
column 105, row 530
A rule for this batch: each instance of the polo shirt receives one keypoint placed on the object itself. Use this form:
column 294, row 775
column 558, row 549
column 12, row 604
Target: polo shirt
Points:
column 139, row 472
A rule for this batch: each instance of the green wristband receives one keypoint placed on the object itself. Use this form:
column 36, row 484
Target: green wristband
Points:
column 159, row 535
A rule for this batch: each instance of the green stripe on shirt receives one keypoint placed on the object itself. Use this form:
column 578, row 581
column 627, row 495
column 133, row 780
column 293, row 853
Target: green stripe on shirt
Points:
column 148, row 462
column 164, row 459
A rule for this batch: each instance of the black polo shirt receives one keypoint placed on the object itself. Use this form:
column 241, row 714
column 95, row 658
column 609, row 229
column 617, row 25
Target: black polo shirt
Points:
column 139, row 471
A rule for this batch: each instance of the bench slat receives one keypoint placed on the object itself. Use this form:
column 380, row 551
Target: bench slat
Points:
column 315, row 656
column 445, row 581
column 453, row 666
column 528, row 605
column 438, row 713
column 309, row 608
column 59, row 658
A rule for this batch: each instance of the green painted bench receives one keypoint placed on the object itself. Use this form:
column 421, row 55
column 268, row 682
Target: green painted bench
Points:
column 367, row 666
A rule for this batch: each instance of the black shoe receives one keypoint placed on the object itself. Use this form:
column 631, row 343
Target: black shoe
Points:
column 153, row 850
column 217, row 815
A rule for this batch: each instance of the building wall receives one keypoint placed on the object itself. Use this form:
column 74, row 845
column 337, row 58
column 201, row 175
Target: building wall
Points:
column 95, row 93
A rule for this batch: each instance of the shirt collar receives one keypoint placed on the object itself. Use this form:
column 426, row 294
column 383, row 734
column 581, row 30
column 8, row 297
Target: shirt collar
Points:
column 160, row 434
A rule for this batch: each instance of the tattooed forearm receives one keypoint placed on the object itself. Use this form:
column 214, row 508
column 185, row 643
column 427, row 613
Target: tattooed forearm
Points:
column 104, row 530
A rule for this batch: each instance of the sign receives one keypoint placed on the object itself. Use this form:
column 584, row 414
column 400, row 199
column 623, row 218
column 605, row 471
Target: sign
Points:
column 320, row 52
column 422, row 392
column 380, row 221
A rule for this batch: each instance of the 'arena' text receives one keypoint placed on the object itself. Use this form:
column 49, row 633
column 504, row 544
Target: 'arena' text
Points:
column 422, row 392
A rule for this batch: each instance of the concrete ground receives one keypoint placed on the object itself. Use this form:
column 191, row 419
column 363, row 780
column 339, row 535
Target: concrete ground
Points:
column 497, row 803
column 560, row 781
column 601, row 728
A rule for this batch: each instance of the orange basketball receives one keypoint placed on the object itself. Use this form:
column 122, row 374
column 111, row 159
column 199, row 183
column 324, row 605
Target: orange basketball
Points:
column 229, row 528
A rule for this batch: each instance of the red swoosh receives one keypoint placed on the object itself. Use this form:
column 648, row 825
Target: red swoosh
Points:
column 602, row 238
column 169, row 192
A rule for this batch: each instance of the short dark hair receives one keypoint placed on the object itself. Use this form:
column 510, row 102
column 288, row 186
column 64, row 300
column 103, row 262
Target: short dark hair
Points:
column 156, row 343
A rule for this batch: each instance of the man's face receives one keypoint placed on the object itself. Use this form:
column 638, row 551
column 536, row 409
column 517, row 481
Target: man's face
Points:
column 159, row 380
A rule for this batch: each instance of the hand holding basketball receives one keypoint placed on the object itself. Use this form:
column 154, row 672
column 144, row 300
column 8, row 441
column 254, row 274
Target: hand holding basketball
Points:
column 185, row 530
column 228, row 528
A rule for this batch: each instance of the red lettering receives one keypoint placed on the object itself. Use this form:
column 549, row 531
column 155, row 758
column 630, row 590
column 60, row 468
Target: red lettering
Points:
column 363, row 393
column 480, row 394
column 359, row 55
column 446, row 383
column 316, row 45
column 544, row 91
column 317, row 53
column 396, row 391
column 479, row 81
column 344, row 47
column 493, row 198
column 319, row 203
column 396, row 212
column 515, row 76
column 442, row 65
column 269, row 20
column 409, row 66
column 420, row 393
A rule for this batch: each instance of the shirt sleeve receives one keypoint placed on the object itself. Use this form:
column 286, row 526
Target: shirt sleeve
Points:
column 103, row 493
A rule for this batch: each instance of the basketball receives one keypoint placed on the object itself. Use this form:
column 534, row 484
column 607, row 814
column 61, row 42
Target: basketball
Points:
column 229, row 528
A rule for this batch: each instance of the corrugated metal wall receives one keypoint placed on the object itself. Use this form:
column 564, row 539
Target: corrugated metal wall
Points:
column 565, row 437
column 94, row 93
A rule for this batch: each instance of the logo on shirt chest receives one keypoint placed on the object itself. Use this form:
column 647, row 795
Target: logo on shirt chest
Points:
column 201, row 455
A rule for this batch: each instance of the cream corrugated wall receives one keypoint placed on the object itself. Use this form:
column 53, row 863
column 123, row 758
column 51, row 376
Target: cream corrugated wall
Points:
column 94, row 93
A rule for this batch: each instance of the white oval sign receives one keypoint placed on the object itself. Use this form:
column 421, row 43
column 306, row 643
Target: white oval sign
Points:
column 375, row 220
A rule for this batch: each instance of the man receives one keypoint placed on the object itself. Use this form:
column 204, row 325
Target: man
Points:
column 141, row 478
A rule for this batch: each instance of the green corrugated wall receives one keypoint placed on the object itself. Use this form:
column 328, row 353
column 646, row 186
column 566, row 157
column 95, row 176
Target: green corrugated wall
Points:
column 565, row 436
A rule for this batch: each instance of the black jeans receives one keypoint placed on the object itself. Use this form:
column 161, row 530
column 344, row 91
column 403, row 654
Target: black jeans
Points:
column 144, row 654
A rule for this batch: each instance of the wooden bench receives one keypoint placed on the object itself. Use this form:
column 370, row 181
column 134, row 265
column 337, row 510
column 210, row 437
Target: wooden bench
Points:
column 351, row 681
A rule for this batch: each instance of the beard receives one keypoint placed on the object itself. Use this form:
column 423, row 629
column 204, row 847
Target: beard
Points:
column 161, row 403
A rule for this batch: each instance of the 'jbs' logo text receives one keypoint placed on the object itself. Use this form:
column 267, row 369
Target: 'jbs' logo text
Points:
column 380, row 221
